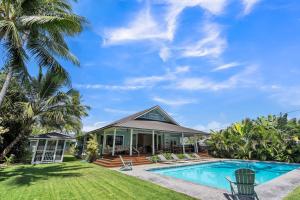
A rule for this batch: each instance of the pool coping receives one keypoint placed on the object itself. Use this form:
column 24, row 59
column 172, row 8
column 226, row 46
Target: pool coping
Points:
column 274, row 189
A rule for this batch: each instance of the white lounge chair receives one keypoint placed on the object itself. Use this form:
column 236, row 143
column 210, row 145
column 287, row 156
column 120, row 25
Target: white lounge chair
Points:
column 126, row 165
column 197, row 156
column 175, row 157
column 162, row 159
column 188, row 157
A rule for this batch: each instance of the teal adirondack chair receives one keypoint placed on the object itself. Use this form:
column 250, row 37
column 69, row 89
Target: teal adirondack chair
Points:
column 244, row 184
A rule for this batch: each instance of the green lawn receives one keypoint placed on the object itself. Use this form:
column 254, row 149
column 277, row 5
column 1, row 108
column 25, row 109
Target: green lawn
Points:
column 295, row 195
column 76, row 180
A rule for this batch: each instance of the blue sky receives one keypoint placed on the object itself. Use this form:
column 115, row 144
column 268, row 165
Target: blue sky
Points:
column 207, row 62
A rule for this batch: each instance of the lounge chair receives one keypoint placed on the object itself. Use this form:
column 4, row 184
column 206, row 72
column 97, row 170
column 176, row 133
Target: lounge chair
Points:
column 175, row 157
column 162, row 159
column 189, row 158
column 244, row 184
column 126, row 165
column 197, row 156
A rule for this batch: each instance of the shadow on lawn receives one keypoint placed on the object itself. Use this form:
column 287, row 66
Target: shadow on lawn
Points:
column 26, row 175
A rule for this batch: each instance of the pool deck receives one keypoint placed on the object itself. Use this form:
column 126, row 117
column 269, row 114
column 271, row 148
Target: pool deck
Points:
column 276, row 189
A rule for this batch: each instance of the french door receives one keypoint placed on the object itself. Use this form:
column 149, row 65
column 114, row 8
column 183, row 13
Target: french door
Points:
column 49, row 151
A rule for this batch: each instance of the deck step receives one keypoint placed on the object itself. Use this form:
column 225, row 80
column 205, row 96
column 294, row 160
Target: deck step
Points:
column 116, row 161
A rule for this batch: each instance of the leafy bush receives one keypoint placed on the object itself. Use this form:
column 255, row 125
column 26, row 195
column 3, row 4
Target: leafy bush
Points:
column 181, row 156
column 9, row 160
column 92, row 149
column 265, row 138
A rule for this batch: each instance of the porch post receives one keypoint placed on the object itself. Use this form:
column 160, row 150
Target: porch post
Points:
column 183, row 147
column 131, row 137
column 114, row 142
column 104, row 142
column 153, row 145
column 157, row 141
column 136, row 140
column 196, row 145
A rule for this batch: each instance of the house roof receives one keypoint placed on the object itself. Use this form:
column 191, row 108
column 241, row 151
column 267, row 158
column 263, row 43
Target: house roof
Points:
column 157, row 125
column 52, row 135
column 136, row 121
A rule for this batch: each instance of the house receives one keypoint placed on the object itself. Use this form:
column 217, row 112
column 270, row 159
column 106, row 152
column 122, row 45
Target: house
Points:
column 150, row 131
column 48, row 147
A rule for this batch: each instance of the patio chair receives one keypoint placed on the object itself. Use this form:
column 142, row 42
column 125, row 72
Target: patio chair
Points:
column 126, row 165
column 162, row 159
column 175, row 157
column 243, row 187
column 197, row 156
column 189, row 158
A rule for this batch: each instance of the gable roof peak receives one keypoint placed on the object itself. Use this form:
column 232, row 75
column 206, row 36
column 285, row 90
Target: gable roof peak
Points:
column 163, row 112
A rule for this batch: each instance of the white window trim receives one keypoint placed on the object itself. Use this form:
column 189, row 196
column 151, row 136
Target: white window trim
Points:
column 116, row 136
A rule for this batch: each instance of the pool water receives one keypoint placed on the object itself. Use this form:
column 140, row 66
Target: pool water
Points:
column 213, row 174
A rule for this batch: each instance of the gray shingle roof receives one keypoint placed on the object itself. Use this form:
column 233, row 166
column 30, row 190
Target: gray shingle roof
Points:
column 132, row 122
column 156, row 125
column 52, row 135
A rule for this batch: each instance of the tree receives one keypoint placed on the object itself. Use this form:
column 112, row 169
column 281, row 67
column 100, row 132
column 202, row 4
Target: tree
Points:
column 36, row 29
column 48, row 106
column 12, row 119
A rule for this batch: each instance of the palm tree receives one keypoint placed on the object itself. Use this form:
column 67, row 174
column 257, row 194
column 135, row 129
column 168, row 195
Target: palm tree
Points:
column 36, row 29
column 48, row 106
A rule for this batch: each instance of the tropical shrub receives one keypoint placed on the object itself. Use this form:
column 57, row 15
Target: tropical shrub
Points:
column 265, row 138
column 92, row 149
column 9, row 160
column 180, row 156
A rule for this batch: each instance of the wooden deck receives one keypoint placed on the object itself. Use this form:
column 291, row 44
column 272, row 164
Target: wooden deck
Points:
column 114, row 161
column 109, row 161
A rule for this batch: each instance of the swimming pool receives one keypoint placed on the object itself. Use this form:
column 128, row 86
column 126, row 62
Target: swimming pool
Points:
column 213, row 174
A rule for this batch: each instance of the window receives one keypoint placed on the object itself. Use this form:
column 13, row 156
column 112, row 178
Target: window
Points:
column 154, row 115
column 110, row 140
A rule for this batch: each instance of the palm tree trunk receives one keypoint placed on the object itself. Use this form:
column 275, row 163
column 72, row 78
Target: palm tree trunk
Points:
column 10, row 146
column 6, row 84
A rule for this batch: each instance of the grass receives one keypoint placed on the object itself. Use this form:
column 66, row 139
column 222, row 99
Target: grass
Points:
column 295, row 195
column 76, row 180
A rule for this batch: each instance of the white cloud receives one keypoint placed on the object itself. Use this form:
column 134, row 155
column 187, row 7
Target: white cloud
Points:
column 149, row 81
column 109, row 87
column 142, row 28
column 137, row 83
column 211, row 44
column 227, row 66
column 161, row 28
column 174, row 102
column 94, row 126
column 246, row 78
column 177, row 80
column 213, row 125
column 164, row 53
column 118, row 111
column 285, row 95
column 248, row 5
column 145, row 27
